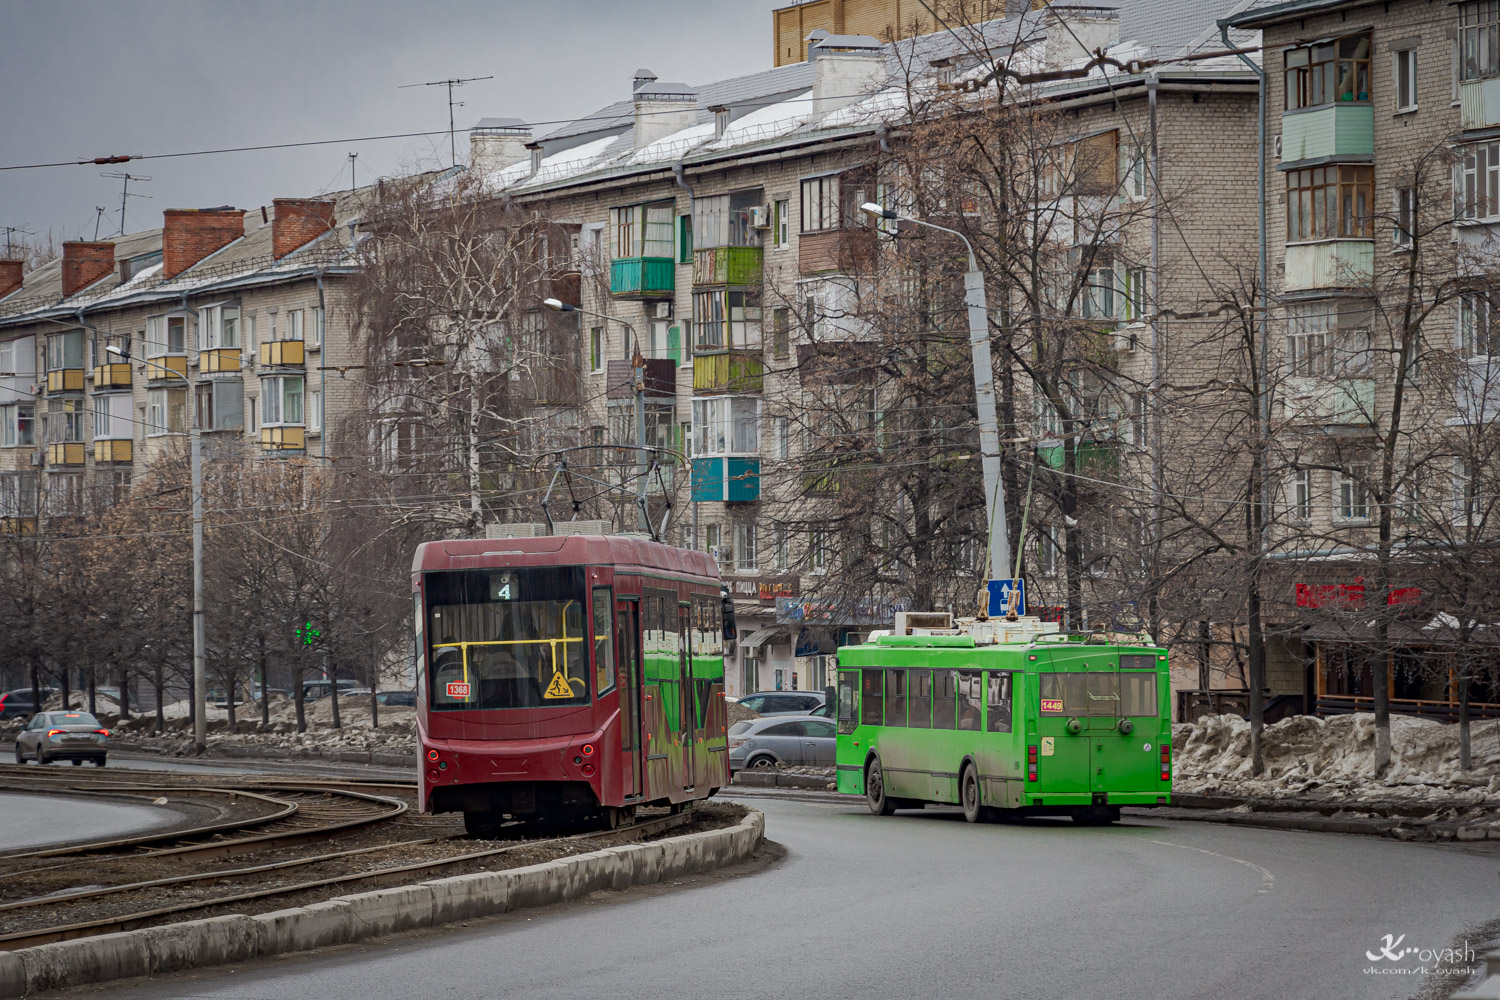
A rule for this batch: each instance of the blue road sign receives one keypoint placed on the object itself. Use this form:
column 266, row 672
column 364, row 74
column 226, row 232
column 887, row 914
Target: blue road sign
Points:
column 1002, row 592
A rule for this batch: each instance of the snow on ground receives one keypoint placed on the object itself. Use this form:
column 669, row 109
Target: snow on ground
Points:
column 1306, row 755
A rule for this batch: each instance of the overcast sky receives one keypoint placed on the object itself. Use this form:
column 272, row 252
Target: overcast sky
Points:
column 161, row 76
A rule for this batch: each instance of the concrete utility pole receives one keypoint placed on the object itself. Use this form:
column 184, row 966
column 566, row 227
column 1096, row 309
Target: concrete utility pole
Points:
column 1001, row 567
column 195, row 451
column 637, row 362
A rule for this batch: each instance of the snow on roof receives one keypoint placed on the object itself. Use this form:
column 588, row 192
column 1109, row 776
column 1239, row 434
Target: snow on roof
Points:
column 768, row 122
column 674, row 146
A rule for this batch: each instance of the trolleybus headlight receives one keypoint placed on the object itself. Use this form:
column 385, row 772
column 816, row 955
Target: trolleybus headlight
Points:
column 1126, row 726
column 1074, row 726
column 432, row 755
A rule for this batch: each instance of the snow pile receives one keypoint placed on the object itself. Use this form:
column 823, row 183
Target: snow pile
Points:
column 1334, row 756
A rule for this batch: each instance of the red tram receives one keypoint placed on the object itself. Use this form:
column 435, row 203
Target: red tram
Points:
column 567, row 678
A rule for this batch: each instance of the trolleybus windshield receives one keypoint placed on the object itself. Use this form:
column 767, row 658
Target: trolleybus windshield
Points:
column 512, row 638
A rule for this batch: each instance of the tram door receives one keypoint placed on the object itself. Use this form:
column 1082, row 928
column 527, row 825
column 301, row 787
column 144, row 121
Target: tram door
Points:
column 629, row 631
column 689, row 710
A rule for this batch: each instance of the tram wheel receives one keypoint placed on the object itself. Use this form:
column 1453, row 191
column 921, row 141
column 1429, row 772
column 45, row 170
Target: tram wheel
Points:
column 969, row 795
column 880, row 804
column 483, row 824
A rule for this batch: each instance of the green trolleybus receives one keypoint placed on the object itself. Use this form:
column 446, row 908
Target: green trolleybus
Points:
column 1004, row 717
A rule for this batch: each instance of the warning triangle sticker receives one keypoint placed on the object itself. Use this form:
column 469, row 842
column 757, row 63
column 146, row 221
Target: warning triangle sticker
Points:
column 558, row 688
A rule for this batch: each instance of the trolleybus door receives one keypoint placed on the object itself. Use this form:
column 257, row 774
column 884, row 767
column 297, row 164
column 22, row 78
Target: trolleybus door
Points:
column 689, row 713
column 629, row 631
column 1061, row 740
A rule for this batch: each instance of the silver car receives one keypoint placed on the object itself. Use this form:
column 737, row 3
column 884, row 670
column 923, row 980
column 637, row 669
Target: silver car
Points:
column 765, row 743
column 75, row 736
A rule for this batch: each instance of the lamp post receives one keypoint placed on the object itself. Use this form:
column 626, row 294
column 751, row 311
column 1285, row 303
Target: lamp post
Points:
column 200, row 673
column 984, row 395
column 638, row 380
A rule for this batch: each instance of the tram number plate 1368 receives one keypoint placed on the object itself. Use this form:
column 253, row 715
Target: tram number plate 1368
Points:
column 458, row 690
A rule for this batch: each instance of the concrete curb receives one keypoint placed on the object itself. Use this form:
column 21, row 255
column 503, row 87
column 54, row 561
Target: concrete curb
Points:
column 238, row 938
column 775, row 779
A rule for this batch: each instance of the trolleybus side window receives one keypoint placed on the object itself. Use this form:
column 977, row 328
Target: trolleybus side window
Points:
column 970, row 695
column 1138, row 694
column 846, row 701
column 944, row 697
column 870, row 700
column 895, row 697
column 920, row 698
column 604, row 641
column 999, row 702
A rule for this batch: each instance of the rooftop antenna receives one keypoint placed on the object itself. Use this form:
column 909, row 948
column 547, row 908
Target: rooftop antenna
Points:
column 125, row 190
column 98, row 218
column 450, row 84
column 14, row 229
column 352, row 158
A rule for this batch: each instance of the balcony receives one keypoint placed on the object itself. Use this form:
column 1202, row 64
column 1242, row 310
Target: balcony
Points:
column 219, row 359
column 566, row 286
column 65, row 380
column 836, row 250
column 1094, row 457
column 727, row 266
column 1331, row 402
column 112, row 376
column 1477, row 394
column 642, row 277
column 733, row 480
column 174, row 363
column 728, row 371
column 70, row 453
column 1329, row 264
column 1479, row 103
column 283, row 438
column 283, row 353
column 16, row 525
column 661, row 380
column 112, row 451
column 1336, row 130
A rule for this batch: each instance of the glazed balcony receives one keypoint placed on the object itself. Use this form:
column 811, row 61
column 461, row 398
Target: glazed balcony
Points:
column 642, row 277
column 65, row 380
column 69, row 453
column 661, row 380
column 283, row 353
column 851, row 249
column 112, row 451
column 728, row 479
column 727, row 266
column 732, row 370
column 1335, row 130
column 283, row 438
column 1329, row 264
column 219, row 359
column 1330, row 402
column 176, row 364
column 1093, row 457
column 1479, row 103
column 115, row 375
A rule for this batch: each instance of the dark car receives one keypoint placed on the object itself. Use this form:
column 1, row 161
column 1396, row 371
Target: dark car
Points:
column 783, row 702
column 75, row 736
column 18, row 704
column 408, row 698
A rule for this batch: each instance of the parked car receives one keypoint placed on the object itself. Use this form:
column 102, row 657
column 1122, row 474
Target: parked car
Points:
column 397, row 698
column 764, row 743
column 783, row 702
column 317, row 690
column 18, row 704
column 75, row 736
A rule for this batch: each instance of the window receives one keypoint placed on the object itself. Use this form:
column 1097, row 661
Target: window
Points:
column 895, row 697
column 726, row 425
column 944, row 697
column 1404, row 74
column 642, row 231
column 1465, row 506
column 65, row 421
column 1479, row 40
column 247, row 324
column 18, row 357
column 1309, row 335
column 1138, row 694
column 281, row 400
column 65, row 494
column 1132, row 172
column 1329, row 71
column 969, row 698
column 1299, row 494
column 18, row 425
column 820, row 203
column 317, row 329
column 710, row 538
column 684, row 239
column 604, row 641
column 781, row 223
column 220, row 325
column 166, row 411
column 18, row 495
column 596, row 349
column 726, row 318
column 1478, row 325
column 744, row 548
column 293, row 324
column 919, row 698
column 1476, row 181
column 817, row 550
column 166, row 335
column 1332, row 202
column 781, row 333
column 1048, row 549
column 724, row 220
column 782, row 447
column 65, row 350
column 999, row 702
column 871, row 697
column 112, row 418
column 778, row 550
column 1352, row 499
column 1405, row 215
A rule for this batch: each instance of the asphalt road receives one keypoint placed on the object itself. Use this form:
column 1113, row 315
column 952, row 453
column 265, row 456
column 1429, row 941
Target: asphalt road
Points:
column 40, row 820
column 924, row 905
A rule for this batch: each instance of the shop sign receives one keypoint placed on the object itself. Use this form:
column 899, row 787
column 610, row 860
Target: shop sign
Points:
column 761, row 588
column 864, row 611
column 1349, row 595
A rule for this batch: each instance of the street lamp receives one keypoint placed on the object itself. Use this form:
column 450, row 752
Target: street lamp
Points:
column 200, row 673
column 984, row 394
column 638, row 378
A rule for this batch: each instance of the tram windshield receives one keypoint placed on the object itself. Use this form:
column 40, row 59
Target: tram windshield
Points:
column 507, row 638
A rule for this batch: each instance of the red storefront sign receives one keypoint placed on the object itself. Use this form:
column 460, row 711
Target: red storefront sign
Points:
column 1349, row 595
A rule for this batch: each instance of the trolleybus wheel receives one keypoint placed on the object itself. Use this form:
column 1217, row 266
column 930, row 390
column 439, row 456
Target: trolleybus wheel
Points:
column 880, row 803
column 483, row 824
column 969, row 788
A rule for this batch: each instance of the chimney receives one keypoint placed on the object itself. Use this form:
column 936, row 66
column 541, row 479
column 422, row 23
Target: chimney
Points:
column 496, row 143
column 10, row 276
column 298, row 221
column 85, row 263
column 190, row 234
column 1074, row 33
column 846, row 69
column 661, row 108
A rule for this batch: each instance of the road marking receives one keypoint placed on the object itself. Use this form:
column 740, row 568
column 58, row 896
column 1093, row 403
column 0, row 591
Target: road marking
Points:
column 1267, row 880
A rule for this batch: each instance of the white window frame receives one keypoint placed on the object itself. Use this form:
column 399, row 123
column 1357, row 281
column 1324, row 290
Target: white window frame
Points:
column 1134, row 184
column 1047, row 551
column 273, row 396
column 219, row 325
column 782, row 445
column 312, row 409
column 1405, row 98
column 316, row 343
column 1299, row 493
column 779, row 561
column 1476, row 181
column 783, row 222
column 745, row 550
column 1351, row 497
column 1478, row 31
column 159, row 411
column 817, row 551
column 1465, row 497
column 1477, row 325
column 640, row 227
column 112, row 417
column 722, row 426
column 294, row 328
column 61, row 339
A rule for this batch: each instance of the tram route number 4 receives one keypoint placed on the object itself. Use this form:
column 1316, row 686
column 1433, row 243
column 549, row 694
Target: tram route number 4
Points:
column 458, row 690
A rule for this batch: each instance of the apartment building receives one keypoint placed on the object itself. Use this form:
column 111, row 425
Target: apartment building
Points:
column 110, row 354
